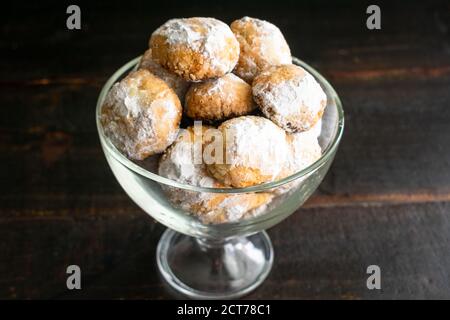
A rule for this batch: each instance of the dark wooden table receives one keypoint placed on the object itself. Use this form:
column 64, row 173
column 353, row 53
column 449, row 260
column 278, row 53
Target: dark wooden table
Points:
column 385, row 201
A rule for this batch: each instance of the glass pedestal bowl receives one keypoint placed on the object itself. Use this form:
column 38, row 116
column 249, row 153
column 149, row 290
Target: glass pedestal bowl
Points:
column 225, row 260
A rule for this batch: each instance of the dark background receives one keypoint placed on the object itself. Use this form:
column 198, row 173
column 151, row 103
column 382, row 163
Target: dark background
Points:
column 385, row 201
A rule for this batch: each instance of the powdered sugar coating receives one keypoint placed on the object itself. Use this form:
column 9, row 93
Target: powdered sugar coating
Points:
column 219, row 99
column 304, row 151
column 255, row 151
column 195, row 48
column 178, row 84
column 262, row 45
column 141, row 115
column 289, row 96
column 178, row 164
column 316, row 129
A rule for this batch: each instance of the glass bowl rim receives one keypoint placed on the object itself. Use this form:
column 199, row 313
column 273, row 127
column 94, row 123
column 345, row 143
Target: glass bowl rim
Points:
column 329, row 151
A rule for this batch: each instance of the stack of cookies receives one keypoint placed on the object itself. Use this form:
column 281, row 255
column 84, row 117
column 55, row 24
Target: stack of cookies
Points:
column 257, row 116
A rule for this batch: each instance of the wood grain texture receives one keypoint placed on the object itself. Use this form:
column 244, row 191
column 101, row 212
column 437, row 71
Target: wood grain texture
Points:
column 385, row 200
column 395, row 143
column 320, row 253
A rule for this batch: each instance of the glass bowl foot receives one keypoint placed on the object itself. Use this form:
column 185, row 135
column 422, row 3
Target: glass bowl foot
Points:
column 212, row 269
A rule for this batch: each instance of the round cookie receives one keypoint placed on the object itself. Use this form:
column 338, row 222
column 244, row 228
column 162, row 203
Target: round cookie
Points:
column 290, row 97
column 195, row 48
column 141, row 115
column 219, row 99
column 178, row 84
column 255, row 150
column 304, row 151
column 262, row 44
column 178, row 164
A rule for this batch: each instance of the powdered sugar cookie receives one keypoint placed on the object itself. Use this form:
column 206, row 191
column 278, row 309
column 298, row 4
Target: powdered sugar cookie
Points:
column 195, row 48
column 239, row 206
column 178, row 84
column 304, row 151
column 255, row 151
column 141, row 115
column 290, row 97
column 262, row 45
column 219, row 99
column 178, row 164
